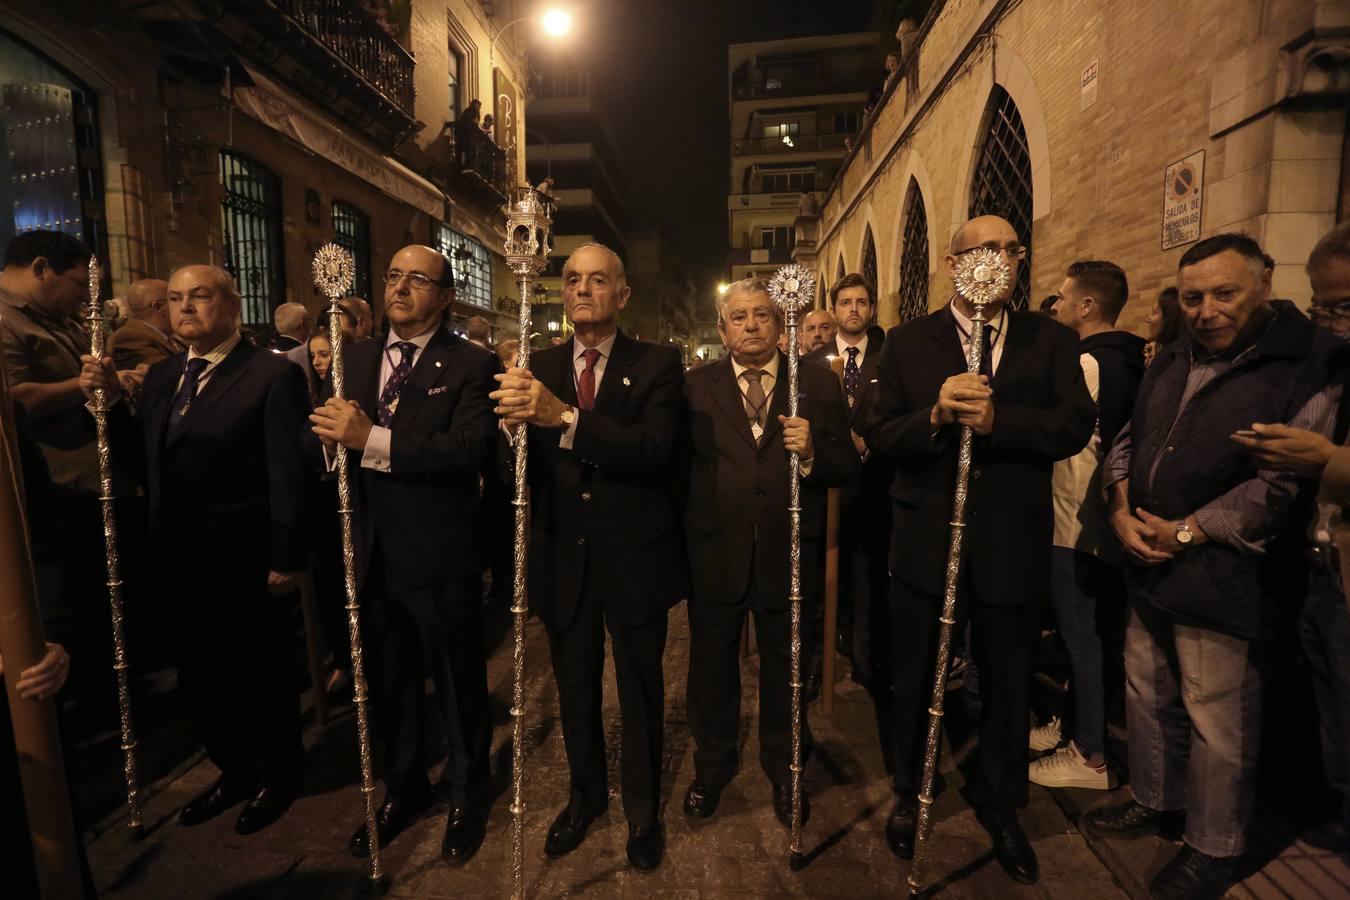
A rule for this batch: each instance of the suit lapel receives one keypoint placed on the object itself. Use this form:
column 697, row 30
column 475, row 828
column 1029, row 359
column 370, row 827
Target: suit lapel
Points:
column 230, row 370
column 557, row 373
column 942, row 328
column 1018, row 348
column 730, row 400
column 778, row 404
column 432, row 363
column 614, row 386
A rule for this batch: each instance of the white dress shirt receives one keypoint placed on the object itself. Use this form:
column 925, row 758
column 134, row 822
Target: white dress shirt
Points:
column 578, row 366
column 996, row 340
column 379, row 443
column 214, row 357
column 770, row 382
column 842, row 346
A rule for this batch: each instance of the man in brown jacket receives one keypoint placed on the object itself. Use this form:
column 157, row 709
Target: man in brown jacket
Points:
column 146, row 338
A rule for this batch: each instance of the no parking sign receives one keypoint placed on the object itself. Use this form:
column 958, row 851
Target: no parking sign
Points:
column 1183, row 197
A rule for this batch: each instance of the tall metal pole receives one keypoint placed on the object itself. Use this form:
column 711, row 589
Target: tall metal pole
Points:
column 334, row 271
column 792, row 289
column 98, row 339
column 981, row 277
column 527, row 246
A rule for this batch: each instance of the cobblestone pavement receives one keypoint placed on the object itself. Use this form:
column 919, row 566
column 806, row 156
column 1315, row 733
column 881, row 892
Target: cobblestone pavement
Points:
column 742, row 851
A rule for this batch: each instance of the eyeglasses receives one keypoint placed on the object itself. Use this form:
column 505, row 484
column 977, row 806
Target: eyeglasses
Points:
column 1339, row 310
column 1012, row 251
column 418, row 281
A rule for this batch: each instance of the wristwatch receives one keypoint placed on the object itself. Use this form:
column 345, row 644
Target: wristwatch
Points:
column 568, row 416
column 1184, row 534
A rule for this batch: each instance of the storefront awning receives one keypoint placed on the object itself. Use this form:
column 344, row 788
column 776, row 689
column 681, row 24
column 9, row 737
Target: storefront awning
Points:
column 282, row 111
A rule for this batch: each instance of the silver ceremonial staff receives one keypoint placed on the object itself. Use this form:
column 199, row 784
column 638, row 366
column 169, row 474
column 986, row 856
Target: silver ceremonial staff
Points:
column 793, row 288
column 981, row 277
column 98, row 343
column 334, row 271
column 527, row 246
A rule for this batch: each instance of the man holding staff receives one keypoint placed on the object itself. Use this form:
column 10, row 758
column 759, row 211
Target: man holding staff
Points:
column 1028, row 407
column 418, row 425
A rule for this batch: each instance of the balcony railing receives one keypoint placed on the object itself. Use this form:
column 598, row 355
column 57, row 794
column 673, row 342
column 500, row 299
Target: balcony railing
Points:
column 358, row 40
column 806, row 143
column 482, row 167
column 804, row 86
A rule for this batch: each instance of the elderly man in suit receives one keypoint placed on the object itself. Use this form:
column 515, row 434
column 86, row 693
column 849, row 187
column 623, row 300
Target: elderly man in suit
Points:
column 1028, row 407
column 737, row 438
column 147, row 337
column 419, row 450
column 603, row 411
column 216, row 431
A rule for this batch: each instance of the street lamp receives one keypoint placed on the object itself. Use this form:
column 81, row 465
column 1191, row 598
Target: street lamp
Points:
column 556, row 23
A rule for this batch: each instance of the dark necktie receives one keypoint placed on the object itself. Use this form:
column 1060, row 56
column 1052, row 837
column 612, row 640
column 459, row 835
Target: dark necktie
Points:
column 851, row 375
column 586, row 382
column 987, row 356
column 392, row 387
column 754, row 398
column 192, row 374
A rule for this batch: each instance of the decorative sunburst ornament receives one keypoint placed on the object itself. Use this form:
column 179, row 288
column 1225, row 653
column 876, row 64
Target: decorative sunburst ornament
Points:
column 793, row 288
column 981, row 275
column 334, row 271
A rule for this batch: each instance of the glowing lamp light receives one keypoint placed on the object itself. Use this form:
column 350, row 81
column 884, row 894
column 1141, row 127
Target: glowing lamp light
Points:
column 557, row 22
column 722, row 287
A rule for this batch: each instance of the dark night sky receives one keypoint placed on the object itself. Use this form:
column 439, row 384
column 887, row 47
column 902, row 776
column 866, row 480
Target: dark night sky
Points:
column 664, row 65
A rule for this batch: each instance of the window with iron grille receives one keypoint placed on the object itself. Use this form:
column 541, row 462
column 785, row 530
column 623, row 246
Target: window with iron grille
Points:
column 914, row 258
column 351, row 229
column 1002, row 182
column 472, row 266
column 251, row 223
column 869, row 260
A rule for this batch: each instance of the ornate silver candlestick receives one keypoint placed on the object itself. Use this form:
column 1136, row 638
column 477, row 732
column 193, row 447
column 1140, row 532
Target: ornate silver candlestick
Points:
column 793, row 288
column 981, row 278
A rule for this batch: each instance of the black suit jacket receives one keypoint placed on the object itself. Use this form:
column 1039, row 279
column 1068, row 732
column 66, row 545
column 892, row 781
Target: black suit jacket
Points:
column 1042, row 413
column 736, row 505
column 603, row 512
column 226, row 488
column 423, row 513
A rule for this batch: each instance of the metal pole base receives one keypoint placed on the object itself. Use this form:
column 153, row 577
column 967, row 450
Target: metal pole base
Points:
column 136, row 831
column 371, row 887
column 796, row 862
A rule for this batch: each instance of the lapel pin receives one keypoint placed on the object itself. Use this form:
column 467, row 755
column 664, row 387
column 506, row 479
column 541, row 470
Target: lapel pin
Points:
column 438, row 363
column 627, row 382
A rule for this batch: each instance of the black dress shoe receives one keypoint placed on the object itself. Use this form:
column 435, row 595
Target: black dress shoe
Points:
column 1011, row 847
column 1131, row 820
column 464, row 830
column 901, row 826
column 391, row 819
column 782, row 804
column 646, row 846
column 1192, row 875
column 700, row 801
column 265, row 807
column 567, row 832
column 213, row 801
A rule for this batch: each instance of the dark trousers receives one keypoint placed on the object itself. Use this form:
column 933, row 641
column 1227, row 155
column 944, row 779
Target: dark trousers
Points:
column 235, row 648
column 578, row 654
column 1001, row 644
column 330, row 588
column 1324, row 632
column 435, row 632
column 1080, row 587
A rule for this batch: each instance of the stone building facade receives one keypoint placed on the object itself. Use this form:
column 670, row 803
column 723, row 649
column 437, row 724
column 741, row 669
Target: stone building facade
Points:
column 1102, row 130
column 249, row 133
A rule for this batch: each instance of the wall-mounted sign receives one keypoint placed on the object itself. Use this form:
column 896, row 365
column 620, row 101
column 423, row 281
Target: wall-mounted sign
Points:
column 1088, row 86
column 1183, row 196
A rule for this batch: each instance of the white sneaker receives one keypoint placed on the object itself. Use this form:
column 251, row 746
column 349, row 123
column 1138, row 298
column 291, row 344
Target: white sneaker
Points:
column 1047, row 736
column 1066, row 767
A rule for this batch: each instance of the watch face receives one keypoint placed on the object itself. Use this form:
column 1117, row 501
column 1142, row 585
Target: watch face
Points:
column 1184, row 535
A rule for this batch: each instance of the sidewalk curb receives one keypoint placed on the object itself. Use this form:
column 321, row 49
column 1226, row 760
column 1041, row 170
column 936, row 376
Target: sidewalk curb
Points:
column 1125, row 875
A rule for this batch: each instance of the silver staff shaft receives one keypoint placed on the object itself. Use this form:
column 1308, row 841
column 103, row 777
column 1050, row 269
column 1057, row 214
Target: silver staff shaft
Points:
column 947, row 620
column 360, row 694
column 795, row 599
column 519, row 611
column 98, row 335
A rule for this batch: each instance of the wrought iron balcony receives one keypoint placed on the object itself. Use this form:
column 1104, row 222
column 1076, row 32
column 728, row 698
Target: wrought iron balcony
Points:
column 481, row 170
column 333, row 51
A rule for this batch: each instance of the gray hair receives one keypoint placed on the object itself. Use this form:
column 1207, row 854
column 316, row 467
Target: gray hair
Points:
column 289, row 317
column 744, row 286
column 1335, row 244
column 224, row 281
column 618, row 261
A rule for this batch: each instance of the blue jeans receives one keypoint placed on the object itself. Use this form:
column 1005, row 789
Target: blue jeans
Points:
column 1079, row 582
column 1193, row 709
column 1324, row 632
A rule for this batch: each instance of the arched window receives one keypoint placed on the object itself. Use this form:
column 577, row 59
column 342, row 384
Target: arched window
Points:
column 839, row 270
column 914, row 258
column 869, row 260
column 351, row 229
column 251, row 222
column 1002, row 182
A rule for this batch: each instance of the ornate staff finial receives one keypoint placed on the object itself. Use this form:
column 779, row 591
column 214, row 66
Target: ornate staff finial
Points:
column 793, row 288
column 981, row 276
column 334, row 271
column 527, row 233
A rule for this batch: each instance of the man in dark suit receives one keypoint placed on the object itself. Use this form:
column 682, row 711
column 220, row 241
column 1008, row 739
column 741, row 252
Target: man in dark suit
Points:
column 865, row 510
column 1028, row 408
column 605, row 551
column 737, row 437
column 217, row 432
column 420, row 555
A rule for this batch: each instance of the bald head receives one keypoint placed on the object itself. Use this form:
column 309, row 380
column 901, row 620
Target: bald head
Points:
column 363, row 320
column 147, row 300
column 818, row 329
column 993, row 233
column 589, row 250
column 292, row 320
